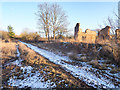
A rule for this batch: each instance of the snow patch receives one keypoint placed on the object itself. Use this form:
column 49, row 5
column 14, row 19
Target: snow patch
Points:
column 34, row 80
column 88, row 77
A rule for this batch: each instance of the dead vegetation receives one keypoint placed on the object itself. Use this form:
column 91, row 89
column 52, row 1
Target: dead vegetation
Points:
column 110, row 50
column 47, row 69
column 4, row 36
column 8, row 51
column 91, row 51
column 8, row 54
column 30, row 36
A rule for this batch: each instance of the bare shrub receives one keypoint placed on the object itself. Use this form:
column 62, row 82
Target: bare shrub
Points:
column 110, row 51
column 106, row 52
column 33, row 36
column 4, row 35
column 116, row 54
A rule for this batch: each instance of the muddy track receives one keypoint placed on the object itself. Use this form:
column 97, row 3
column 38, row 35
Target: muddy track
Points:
column 50, row 67
column 82, row 72
column 67, row 75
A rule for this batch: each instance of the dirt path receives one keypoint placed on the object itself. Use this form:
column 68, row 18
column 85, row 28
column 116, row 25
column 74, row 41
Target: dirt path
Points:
column 42, row 75
column 39, row 68
column 81, row 72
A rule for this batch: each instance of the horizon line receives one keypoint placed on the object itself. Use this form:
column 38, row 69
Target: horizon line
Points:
column 59, row 0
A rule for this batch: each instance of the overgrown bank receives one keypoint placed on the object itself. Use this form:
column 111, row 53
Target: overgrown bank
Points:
column 8, row 54
column 93, row 51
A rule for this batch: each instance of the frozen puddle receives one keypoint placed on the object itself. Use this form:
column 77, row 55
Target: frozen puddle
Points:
column 34, row 80
column 88, row 77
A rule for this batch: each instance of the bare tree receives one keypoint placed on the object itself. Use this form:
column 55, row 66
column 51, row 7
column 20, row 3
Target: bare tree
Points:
column 118, row 15
column 44, row 18
column 52, row 19
column 58, row 20
column 113, row 23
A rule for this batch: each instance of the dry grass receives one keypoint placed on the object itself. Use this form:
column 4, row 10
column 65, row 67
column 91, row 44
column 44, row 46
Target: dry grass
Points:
column 7, row 51
column 4, row 35
column 58, row 47
column 72, row 40
column 30, row 56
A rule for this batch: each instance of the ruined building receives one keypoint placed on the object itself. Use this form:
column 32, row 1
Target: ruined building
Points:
column 87, row 36
column 117, row 32
column 104, row 33
column 78, row 32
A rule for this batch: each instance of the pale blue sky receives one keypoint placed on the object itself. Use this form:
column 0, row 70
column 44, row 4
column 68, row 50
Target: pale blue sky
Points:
column 21, row 15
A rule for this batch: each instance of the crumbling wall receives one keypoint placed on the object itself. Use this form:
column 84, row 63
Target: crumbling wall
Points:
column 117, row 35
column 87, row 36
column 90, row 35
column 104, row 33
column 78, row 32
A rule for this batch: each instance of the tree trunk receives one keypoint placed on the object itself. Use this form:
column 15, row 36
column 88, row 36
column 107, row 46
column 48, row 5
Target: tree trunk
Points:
column 54, row 35
column 48, row 36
